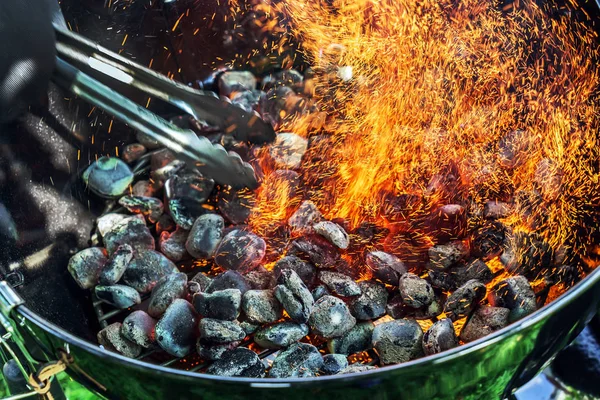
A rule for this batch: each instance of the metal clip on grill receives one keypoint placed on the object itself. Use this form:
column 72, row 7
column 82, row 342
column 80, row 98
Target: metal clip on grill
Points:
column 212, row 160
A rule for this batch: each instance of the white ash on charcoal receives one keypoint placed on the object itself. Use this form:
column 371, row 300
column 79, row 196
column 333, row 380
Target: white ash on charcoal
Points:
column 440, row 337
column 236, row 205
column 228, row 280
column 334, row 233
column 166, row 290
column 398, row 309
column 415, row 292
column 339, row 284
column 248, row 100
column 280, row 335
column 464, row 299
column 287, row 150
column 119, row 296
column 385, row 267
column 330, row 318
column 132, row 152
column 496, row 209
column 354, row 341
column 300, row 360
column 85, row 266
column 211, row 351
column 115, row 267
column 236, row 81
column 319, row 292
column 304, row 269
column 516, row 294
column 107, row 222
column 488, row 241
column 138, row 327
column 217, row 331
column 261, row 279
column 108, row 177
column 150, row 207
column 261, row 306
column 186, row 194
column 205, row 235
column 221, row 304
column 239, row 362
column 305, row 217
column 131, row 231
column 484, row 321
column 175, row 331
column 356, row 368
column 398, row 341
column 333, row 364
column 294, row 296
column 249, row 327
column 371, row 302
column 172, row 244
column 112, row 339
column 146, row 269
column 443, row 256
column 240, row 250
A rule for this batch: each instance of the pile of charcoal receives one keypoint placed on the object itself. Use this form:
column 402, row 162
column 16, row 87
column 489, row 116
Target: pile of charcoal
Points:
column 167, row 222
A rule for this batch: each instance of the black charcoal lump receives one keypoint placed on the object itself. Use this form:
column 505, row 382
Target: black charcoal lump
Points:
column 240, row 362
column 371, row 303
column 112, row 339
column 221, row 304
column 261, row 306
column 175, row 331
column 205, row 235
column 85, row 266
column 440, row 337
column 216, row 331
column 280, row 335
column 415, row 292
column 300, row 360
column 167, row 289
column 464, row 300
column 339, row 284
column 386, row 267
column 138, row 327
column 119, row 296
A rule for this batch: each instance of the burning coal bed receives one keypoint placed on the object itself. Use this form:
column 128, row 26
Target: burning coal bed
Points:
column 300, row 291
column 311, row 274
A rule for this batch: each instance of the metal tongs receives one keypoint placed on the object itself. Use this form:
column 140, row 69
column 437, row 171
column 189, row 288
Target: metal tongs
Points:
column 213, row 160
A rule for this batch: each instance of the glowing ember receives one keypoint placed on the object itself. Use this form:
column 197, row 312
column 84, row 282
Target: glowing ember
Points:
column 442, row 102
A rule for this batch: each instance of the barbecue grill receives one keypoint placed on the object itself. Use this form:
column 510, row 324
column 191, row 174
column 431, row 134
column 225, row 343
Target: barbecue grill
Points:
column 52, row 329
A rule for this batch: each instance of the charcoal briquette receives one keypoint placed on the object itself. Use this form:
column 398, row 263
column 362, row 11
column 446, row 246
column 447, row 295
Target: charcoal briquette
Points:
column 146, row 269
column 240, row 251
column 300, row 360
column 239, row 362
column 150, row 207
column 339, row 284
column 211, row 351
column 440, row 337
column 172, row 244
column 236, row 206
column 318, row 250
column 398, row 341
column 217, row 331
column 228, row 280
column 464, row 299
column 112, row 339
column 261, row 278
column 138, row 327
column 167, row 289
column 280, row 335
column 330, row 318
column 133, row 232
column 261, row 306
column 114, row 269
column 221, row 304
column 443, row 256
column 294, row 296
column 354, row 341
column 319, row 292
column 175, row 331
column 415, row 292
column 202, row 280
column 334, row 233
column 333, row 364
column 371, row 303
column 205, row 235
column 236, row 81
column 85, row 266
column 356, row 368
column 476, row 269
column 287, row 150
column 385, row 267
column 304, row 269
column 484, row 321
column 516, row 294
column 108, row 177
column 305, row 217
column 119, row 296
